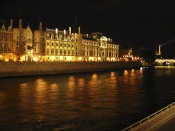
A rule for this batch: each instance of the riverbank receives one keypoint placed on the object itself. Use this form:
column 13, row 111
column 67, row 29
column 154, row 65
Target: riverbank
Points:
column 10, row 69
column 164, row 67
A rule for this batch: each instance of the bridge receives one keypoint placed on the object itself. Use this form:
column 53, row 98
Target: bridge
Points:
column 165, row 62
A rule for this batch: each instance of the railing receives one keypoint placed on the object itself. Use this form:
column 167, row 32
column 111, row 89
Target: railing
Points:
column 147, row 119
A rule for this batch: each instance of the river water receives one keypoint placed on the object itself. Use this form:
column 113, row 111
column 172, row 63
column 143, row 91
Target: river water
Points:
column 110, row 100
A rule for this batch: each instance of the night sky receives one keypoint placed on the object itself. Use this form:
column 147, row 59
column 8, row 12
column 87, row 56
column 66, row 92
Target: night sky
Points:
column 138, row 23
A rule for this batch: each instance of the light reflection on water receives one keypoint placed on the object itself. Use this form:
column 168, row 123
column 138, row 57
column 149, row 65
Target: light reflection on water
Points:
column 89, row 101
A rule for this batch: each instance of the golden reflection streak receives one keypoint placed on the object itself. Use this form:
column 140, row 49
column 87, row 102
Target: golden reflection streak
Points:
column 54, row 90
column 133, row 78
column 41, row 90
column 94, row 81
column 111, row 90
column 93, row 86
column 71, row 87
column 54, row 87
column 141, row 70
column 24, row 94
column 71, row 83
column 41, row 98
column 112, row 80
column 81, row 82
column 125, row 72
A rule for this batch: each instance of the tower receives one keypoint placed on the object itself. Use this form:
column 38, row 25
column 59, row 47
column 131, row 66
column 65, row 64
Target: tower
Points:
column 159, row 50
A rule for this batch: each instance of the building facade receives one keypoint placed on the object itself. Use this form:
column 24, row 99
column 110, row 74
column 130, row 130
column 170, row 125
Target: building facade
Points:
column 52, row 45
column 6, row 43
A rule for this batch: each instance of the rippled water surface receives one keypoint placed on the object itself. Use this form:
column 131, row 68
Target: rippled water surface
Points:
column 89, row 101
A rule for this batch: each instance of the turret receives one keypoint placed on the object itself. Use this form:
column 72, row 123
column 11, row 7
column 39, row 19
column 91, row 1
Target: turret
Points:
column 11, row 23
column 159, row 51
column 69, row 30
column 40, row 26
column 78, row 30
column 20, row 23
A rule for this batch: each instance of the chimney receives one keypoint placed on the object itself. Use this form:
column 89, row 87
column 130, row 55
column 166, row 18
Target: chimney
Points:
column 159, row 52
column 64, row 34
column 78, row 30
column 20, row 23
column 11, row 23
column 69, row 30
column 40, row 26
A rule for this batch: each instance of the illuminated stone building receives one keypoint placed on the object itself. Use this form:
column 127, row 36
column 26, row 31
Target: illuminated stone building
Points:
column 21, row 44
column 6, row 43
column 97, row 47
column 62, row 45
column 67, row 46
column 39, row 44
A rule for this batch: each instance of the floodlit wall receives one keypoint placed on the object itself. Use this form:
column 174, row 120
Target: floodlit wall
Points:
column 8, row 69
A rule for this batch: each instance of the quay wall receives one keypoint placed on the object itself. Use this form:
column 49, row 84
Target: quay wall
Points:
column 10, row 69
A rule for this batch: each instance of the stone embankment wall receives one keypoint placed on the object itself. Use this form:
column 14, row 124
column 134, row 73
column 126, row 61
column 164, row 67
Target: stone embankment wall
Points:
column 9, row 69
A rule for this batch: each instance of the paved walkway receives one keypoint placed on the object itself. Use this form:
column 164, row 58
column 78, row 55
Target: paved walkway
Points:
column 162, row 120
column 167, row 126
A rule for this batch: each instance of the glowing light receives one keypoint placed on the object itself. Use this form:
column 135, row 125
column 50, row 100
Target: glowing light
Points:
column 69, row 58
column 91, row 58
column 79, row 58
column 61, row 57
column 71, row 83
column 125, row 72
column 35, row 59
column 56, row 30
column 113, row 59
column 81, row 82
column 132, row 70
column 112, row 74
column 99, row 58
column 52, row 58
column 6, row 59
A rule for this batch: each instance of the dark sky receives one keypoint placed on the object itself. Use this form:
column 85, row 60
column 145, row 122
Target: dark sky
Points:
column 139, row 23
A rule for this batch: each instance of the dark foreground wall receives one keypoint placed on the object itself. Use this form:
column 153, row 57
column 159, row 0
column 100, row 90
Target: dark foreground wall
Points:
column 8, row 69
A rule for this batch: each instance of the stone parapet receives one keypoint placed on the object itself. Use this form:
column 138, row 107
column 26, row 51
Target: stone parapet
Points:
column 10, row 69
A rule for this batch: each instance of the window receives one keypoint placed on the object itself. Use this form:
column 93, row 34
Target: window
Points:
column 52, row 51
column 56, row 52
column 47, row 51
column 9, row 48
column 2, row 37
column 3, row 47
